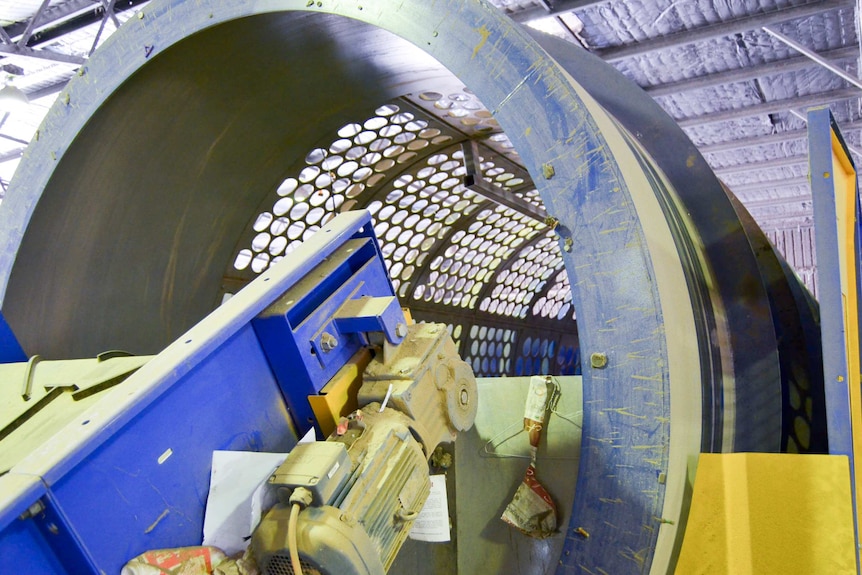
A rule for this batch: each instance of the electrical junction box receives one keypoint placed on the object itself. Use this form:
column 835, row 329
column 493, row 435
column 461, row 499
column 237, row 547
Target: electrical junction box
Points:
column 321, row 467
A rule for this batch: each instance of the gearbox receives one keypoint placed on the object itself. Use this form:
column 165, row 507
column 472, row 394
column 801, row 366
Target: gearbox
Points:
column 348, row 503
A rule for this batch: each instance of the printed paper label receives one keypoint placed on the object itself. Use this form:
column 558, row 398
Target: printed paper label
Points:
column 433, row 521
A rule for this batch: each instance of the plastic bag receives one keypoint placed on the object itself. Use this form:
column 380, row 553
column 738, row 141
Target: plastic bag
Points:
column 532, row 510
column 189, row 561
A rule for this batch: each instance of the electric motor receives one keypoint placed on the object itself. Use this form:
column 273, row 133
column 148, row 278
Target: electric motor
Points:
column 367, row 483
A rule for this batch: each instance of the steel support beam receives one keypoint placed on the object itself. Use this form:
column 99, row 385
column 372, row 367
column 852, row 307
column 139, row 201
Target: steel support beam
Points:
column 14, row 139
column 767, row 139
column 793, row 64
column 774, row 223
column 804, row 118
column 476, row 182
column 757, row 166
column 753, row 141
column 19, row 46
column 772, row 107
column 48, row 90
column 31, row 24
column 52, row 15
column 814, row 57
column 720, row 30
column 25, row 52
column 787, row 221
column 559, row 7
column 12, row 155
column 772, row 202
column 767, row 185
column 58, row 21
column 109, row 15
column 109, row 11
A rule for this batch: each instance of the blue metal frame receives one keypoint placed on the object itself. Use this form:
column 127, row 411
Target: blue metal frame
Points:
column 132, row 473
column 822, row 128
column 10, row 349
column 291, row 330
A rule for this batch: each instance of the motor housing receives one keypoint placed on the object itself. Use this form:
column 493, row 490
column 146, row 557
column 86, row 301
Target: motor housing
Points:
column 369, row 479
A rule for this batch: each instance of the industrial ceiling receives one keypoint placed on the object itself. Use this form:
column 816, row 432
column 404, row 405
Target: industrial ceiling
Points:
column 737, row 75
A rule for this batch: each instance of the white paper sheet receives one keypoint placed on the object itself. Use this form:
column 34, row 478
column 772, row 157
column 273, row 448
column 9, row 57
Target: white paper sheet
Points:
column 433, row 521
column 239, row 495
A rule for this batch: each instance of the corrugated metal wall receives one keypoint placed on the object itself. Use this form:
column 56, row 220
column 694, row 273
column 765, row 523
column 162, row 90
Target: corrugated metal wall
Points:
column 797, row 247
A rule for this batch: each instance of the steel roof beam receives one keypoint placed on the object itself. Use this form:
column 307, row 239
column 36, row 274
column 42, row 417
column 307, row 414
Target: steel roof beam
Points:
column 780, row 138
column 52, row 15
column 771, row 107
column 770, row 203
column 804, row 118
column 814, row 57
column 48, row 90
column 793, row 64
column 54, row 22
column 109, row 11
column 754, row 141
column 720, row 30
column 771, row 223
column 765, row 165
column 784, row 222
column 31, row 25
column 18, row 46
column 11, row 155
column 559, row 7
column 14, row 139
column 780, row 220
column 57, row 21
column 25, row 52
column 767, row 185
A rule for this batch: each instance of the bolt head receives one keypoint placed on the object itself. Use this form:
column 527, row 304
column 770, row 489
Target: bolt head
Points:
column 598, row 360
column 328, row 342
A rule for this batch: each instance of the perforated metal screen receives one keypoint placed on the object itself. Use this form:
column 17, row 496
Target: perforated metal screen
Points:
column 492, row 273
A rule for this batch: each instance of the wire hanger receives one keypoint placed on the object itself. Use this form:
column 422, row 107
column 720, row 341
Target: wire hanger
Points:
column 490, row 449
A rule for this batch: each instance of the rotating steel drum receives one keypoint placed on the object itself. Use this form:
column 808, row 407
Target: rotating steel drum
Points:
column 130, row 204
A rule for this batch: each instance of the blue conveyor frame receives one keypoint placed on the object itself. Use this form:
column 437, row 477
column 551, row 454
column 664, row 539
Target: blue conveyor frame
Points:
column 132, row 473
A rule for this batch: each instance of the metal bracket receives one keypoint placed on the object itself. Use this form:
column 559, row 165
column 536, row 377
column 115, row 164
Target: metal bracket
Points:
column 476, row 182
column 27, row 389
column 372, row 314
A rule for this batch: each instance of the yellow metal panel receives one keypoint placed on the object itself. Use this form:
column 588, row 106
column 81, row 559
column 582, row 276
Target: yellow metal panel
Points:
column 844, row 182
column 338, row 397
column 765, row 513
